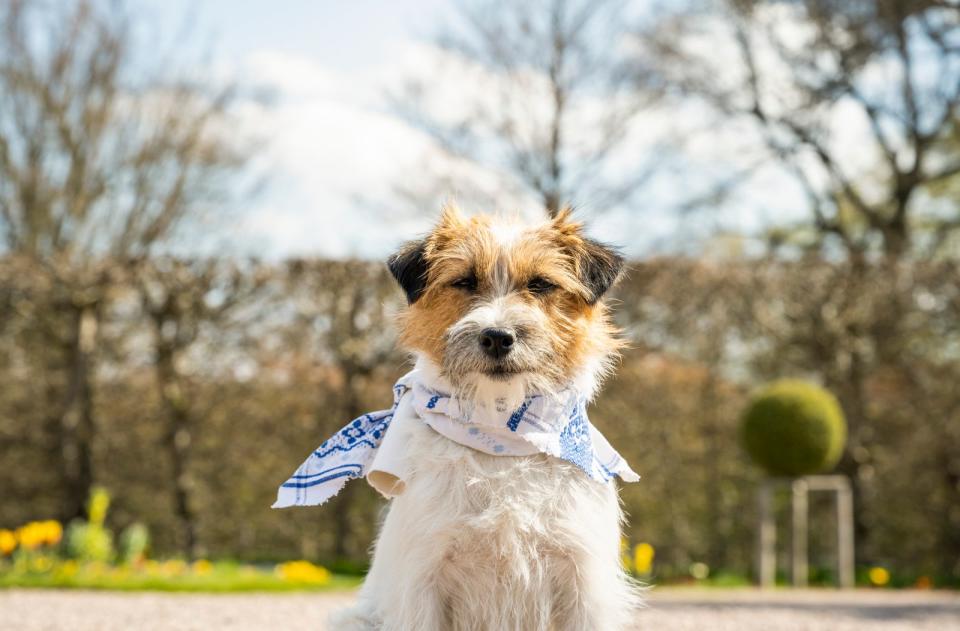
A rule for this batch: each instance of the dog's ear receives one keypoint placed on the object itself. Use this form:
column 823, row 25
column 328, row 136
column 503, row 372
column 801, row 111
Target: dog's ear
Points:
column 450, row 216
column 409, row 267
column 599, row 266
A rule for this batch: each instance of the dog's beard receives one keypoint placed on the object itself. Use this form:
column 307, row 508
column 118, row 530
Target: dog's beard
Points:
column 530, row 368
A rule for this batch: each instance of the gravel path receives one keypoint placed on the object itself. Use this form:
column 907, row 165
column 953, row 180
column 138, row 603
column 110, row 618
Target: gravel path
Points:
column 670, row 610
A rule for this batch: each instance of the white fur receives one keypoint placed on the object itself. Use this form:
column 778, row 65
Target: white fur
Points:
column 486, row 543
column 508, row 231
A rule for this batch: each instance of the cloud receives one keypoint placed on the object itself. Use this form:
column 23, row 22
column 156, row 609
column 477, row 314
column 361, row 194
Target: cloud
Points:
column 338, row 159
column 346, row 170
column 326, row 140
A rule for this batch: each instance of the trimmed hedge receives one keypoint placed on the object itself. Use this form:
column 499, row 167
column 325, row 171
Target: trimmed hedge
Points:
column 794, row 428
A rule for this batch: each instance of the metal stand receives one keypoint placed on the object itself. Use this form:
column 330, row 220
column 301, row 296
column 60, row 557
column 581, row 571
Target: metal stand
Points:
column 801, row 510
column 767, row 540
column 767, row 534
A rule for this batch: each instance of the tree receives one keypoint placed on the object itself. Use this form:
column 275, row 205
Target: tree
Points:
column 342, row 319
column 543, row 97
column 858, row 102
column 800, row 74
column 687, row 319
column 103, row 161
column 183, row 300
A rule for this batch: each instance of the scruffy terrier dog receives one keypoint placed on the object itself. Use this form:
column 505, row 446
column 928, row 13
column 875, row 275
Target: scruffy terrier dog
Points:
column 499, row 310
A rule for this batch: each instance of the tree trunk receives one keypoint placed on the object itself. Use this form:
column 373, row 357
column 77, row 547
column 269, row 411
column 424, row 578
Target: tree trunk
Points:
column 949, row 528
column 178, row 441
column 341, row 523
column 716, row 547
column 77, row 426
column 850, row 389
column 345, row 500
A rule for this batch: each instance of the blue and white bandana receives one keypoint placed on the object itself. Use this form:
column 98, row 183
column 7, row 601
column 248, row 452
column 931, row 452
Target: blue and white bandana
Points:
column 554, row 425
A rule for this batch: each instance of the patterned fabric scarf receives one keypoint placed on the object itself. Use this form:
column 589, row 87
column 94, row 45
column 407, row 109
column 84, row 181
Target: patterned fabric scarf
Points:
column 554, row 425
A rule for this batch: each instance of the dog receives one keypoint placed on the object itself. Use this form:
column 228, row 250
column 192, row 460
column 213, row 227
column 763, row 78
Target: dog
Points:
column 499, row 309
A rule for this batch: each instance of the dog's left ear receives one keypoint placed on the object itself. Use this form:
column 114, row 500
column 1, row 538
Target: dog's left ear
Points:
column 599, row 266
column 409, row 267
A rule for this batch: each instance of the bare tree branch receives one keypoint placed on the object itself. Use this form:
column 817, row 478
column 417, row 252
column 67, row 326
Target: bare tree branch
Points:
column 563, row 102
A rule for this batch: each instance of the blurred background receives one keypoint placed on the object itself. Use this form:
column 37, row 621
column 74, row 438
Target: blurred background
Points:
column 196, row 200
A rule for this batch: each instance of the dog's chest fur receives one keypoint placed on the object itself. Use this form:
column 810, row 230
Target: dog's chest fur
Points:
column 510, row 501
column 501, row 538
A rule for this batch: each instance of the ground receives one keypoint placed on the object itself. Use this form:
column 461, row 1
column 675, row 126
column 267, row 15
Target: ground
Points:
column 670, row 610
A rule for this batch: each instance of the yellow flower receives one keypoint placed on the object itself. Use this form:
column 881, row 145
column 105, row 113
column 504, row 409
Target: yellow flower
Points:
column 120, row 571
column 52, row 532
column 68, row 568
column 879, row 576
column 8, row 542
column 173, row 567
column 202, row 567
column 31, row 535
column 643, row 555
column 303, row 572
column 23, row 536
column 97, row 505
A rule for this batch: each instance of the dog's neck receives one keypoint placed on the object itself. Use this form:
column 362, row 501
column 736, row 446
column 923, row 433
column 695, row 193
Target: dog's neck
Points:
column 482, row 389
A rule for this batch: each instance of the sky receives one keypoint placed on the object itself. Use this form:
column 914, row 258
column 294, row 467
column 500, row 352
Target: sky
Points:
column 329, row 143
column 325, row 137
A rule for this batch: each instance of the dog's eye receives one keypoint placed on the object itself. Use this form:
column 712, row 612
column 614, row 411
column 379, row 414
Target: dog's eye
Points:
column 469, row 283
column 539, row 285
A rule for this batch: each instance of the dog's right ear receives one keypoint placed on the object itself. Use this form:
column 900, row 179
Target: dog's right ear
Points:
column 409, row 267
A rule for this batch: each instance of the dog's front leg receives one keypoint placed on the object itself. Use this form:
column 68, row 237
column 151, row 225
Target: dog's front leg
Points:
column 591, row 591
column 591, row 595
column 406, row 568
column 420, row 607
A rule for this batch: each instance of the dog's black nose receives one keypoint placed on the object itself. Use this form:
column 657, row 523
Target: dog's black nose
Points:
column 496, row 342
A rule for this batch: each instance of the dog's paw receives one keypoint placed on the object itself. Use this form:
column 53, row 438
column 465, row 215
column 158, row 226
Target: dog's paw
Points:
column 356, row 618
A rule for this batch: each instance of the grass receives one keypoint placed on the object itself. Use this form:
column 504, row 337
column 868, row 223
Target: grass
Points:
column 44, row 554
column 173, row 576
column 186, row 584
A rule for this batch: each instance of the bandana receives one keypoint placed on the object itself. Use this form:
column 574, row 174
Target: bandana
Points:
column 555, row 425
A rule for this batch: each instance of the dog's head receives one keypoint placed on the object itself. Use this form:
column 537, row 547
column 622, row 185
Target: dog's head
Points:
column 494, row 302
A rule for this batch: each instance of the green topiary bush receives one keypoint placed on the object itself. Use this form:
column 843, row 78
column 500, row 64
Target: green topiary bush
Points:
column 794, row 428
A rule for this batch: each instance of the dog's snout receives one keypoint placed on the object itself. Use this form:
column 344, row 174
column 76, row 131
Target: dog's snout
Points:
column 496, row 342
